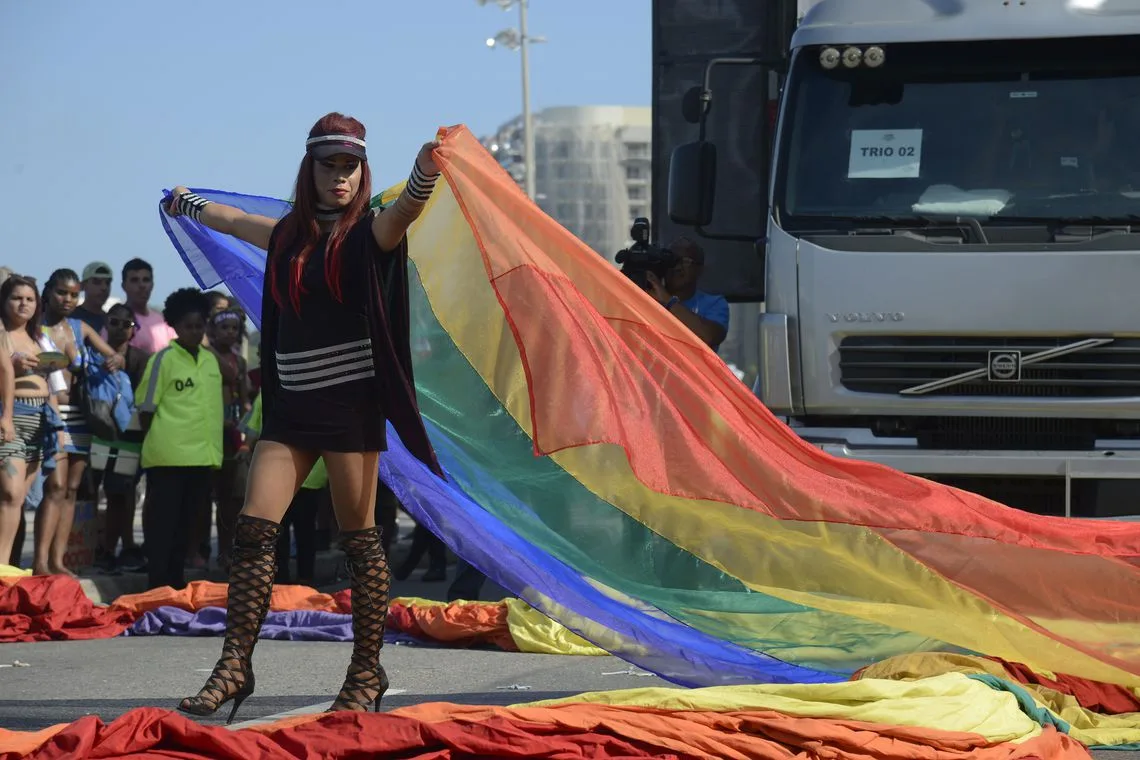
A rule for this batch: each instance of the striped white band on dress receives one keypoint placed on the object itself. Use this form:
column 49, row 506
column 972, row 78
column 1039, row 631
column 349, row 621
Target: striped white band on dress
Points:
column 325, row 367
column 334, row 138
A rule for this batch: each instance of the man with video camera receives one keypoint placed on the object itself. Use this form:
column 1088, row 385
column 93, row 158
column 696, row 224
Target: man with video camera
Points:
column 671, row 276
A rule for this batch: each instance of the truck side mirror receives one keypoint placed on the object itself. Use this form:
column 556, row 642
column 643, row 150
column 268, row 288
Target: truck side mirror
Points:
column 692, row 184
column 693, row 105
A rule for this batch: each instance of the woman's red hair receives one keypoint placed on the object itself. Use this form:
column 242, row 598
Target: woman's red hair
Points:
column 299, row 228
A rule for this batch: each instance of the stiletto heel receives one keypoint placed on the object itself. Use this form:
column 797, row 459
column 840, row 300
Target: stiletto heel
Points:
column 238, row 699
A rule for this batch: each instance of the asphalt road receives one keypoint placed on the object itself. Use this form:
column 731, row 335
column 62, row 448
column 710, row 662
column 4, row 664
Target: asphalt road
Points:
column 65, row 681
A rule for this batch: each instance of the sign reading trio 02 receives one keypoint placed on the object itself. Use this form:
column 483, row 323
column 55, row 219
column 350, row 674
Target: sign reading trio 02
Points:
column 885, row 154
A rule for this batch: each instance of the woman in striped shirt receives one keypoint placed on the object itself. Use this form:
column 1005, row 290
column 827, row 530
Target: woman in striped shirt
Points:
column 34, row 408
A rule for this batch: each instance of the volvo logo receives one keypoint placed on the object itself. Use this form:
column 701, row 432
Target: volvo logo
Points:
column 1004, row 367
column 866, row 316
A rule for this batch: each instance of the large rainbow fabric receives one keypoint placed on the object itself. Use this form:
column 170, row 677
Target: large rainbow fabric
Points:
column 851, row 721
column 608, row 468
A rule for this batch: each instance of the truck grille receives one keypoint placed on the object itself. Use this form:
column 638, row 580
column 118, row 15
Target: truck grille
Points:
column 1009, row 433
column 892, row 364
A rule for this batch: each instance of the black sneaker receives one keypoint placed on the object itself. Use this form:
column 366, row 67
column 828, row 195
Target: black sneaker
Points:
column 132, row 560
column 106, row 564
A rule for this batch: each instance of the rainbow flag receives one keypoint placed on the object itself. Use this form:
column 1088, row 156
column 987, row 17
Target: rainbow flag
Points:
column 608, row 468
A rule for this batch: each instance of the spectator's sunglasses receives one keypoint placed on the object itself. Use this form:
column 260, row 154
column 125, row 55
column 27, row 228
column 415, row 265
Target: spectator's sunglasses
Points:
column 120, row 322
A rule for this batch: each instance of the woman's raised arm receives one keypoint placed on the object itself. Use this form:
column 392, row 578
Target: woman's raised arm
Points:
column 252, row 228
column 390, row 227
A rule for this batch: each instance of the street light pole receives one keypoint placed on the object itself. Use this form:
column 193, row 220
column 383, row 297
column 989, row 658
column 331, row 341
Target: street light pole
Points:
column 528, row 125
column 520, row 40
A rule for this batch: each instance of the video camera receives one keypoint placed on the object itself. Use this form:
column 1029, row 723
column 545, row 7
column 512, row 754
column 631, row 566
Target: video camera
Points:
column 643, row 256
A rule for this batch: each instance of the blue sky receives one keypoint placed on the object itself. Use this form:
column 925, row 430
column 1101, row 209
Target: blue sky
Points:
column 105, row 104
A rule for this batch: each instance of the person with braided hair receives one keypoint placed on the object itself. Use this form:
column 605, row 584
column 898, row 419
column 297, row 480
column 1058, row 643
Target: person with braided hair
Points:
column 336, row 368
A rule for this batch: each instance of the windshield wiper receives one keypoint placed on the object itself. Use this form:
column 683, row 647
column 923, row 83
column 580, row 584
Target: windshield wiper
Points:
column 1119, row 220
column 1097, row 225
column 919, row 220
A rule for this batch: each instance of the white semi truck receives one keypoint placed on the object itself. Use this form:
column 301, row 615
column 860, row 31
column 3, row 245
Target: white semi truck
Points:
column 938, row 202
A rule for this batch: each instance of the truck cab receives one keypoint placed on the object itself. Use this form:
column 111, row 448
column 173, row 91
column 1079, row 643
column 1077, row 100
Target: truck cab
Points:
column 951, row 240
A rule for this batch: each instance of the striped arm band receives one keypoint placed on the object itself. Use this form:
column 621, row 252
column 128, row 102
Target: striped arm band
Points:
column 191, row 204
column 420, row 185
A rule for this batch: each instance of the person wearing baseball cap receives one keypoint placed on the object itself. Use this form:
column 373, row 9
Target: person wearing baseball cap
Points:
column 96, row 282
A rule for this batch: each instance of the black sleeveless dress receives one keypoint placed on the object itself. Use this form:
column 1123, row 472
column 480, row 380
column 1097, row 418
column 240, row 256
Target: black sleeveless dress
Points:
column 326, row 394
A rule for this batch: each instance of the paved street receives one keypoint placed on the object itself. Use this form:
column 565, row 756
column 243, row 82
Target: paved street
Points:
column 67, row 680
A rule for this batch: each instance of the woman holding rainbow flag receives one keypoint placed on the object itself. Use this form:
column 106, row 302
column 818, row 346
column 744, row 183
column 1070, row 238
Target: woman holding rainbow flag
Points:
column 336, row 367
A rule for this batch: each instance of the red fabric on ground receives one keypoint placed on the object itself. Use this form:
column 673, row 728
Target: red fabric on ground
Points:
column 1106, row 698
column 572, row 731
column 47, row 608
column 55, row 608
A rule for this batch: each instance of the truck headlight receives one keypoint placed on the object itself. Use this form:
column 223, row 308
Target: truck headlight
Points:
column 852, row 57
column 829, row 58
column 874, row 57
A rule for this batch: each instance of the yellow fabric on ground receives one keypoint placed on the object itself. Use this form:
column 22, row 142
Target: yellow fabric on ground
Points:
column 907, row 667
column 536, row 633
column 950, row 702
column 11, row 570
column 1086, row 726
column 416, row 601
column 531, row 630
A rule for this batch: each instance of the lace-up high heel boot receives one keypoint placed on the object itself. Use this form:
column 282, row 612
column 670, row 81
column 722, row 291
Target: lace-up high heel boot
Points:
column 252, row 567
column 365, row 681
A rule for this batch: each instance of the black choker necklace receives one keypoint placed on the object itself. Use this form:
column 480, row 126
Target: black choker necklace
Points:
column 329, row 215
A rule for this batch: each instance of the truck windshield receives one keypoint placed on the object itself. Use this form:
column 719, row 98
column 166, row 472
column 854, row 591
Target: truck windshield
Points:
column 1017, row 130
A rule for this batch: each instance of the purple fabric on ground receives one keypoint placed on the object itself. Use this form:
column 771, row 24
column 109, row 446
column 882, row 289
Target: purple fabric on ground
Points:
column 295, row 625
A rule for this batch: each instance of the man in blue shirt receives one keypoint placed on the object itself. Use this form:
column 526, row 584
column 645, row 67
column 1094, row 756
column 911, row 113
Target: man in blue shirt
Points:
column 704, row 313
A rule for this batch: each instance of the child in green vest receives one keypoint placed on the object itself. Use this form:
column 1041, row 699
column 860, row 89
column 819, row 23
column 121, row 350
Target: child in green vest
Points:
column 181, row 416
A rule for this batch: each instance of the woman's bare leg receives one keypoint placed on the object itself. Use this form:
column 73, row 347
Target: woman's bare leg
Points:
column 48, row 516
column 352, row 480
column 76, row 469
column 13, row 489
column 275, row 475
